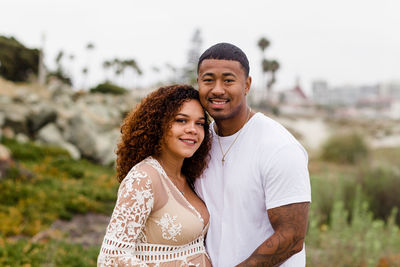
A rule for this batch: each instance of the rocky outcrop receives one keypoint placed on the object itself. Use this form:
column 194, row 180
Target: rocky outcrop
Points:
column 86, row 125
column 5, row 161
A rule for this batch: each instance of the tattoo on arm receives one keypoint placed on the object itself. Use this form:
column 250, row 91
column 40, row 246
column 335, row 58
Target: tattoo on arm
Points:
column 290, row 225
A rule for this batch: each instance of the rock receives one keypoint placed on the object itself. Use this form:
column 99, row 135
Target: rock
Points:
column 5, row 100
column 92, row 144
column 72, row 150
column 87, row 230
column 15, row 118
column 8, row 132
column 57, row 89
column 32, row 98
column 5, row 153
column 84, row 124
column 106, row 146
column 82, row 133
column 21, row 138
column 51, row 135
column 2, row 119
column 64, row 101
column 39, row 116
column 103, row 117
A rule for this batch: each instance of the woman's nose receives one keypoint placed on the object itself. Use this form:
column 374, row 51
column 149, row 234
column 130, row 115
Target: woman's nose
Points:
column 191, row 128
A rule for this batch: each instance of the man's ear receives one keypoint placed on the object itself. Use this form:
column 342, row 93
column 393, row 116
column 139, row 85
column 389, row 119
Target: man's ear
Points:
column 248, row 85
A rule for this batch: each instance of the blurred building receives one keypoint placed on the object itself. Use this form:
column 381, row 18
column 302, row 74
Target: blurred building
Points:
column 380, row 100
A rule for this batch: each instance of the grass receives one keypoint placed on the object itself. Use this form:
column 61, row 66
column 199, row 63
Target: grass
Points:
column 344, row 228
column 59, row 188
column 23, row 252
column 347, row 234
column 354, row 217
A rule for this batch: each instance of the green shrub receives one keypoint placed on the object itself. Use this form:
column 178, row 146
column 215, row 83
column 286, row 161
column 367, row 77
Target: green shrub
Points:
column 69, row 166
column 59, row 188
column 357, row 241
column 325, row 192
column 108, row 88
column 60, row 75
column 345, row 148
column 33, row 152
column 17, row 61
column 381, row 187
column 51, row 253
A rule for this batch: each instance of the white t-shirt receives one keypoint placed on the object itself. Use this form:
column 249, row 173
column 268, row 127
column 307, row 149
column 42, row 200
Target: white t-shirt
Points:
column 265, row 168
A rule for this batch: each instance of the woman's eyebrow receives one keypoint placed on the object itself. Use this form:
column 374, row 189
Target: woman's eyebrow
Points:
column 185, row 115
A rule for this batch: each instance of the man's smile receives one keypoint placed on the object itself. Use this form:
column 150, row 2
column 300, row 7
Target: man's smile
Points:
column 218, row 101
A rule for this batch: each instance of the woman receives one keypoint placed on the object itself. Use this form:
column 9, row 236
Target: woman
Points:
column 158, row 220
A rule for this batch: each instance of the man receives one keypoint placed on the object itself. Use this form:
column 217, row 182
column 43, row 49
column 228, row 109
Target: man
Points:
column 256, row 186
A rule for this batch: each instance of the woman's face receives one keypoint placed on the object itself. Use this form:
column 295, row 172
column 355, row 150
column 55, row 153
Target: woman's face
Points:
column 186, row 132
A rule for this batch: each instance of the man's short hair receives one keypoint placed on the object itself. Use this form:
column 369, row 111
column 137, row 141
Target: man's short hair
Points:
column 226, row 51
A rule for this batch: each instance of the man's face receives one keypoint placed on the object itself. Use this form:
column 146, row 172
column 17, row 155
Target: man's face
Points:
column 223, row 87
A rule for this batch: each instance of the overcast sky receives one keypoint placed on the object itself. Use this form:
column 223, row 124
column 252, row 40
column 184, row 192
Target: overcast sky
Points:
column 341, row 41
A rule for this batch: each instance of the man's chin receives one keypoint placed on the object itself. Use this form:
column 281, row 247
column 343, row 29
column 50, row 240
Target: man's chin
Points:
column 219, row 116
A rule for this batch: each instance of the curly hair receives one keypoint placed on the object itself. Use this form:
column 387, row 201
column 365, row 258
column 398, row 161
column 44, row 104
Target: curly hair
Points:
column 144, row 127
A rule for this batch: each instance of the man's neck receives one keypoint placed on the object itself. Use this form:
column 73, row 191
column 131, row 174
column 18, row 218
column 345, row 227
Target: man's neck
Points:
column 231, row 126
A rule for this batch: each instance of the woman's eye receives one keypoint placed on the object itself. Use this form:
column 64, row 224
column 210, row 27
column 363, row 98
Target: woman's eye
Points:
column 180, row 120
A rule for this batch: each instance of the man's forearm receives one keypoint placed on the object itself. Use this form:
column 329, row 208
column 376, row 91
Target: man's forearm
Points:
column 290, row 224
column 274, row 251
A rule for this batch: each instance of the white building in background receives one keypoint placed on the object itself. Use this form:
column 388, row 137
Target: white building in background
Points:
column 391, row 89
column 380, row 100
column 346, row 95
column 291, row 101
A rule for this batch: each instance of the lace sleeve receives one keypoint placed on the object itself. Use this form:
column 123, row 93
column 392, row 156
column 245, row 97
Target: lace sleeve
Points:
column 134, row 204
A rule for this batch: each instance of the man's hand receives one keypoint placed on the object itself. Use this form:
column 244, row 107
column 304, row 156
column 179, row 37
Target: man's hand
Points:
column 290, row 226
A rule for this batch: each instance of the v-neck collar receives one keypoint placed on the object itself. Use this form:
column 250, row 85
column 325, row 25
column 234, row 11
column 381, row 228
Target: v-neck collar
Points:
column 158, row 166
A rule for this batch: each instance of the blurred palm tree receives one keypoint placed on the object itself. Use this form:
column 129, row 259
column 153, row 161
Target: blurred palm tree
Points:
column 85, row 70
column 263, row 44
column 107, row 64
column 60, row 72
column 119, row 66
column 268, row 66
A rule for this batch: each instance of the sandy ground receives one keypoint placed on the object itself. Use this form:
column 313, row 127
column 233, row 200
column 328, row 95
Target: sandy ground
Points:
column 87, row 229
column 12, row 89
column 315, row 131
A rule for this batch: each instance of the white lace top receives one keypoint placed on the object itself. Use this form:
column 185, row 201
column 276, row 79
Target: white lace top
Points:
column 152, row 223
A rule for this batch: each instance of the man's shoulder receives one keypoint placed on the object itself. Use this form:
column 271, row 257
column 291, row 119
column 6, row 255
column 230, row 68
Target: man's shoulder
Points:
column 267, row 128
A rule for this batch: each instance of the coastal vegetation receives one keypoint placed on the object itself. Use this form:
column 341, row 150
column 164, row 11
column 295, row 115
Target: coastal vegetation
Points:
column 354, row 220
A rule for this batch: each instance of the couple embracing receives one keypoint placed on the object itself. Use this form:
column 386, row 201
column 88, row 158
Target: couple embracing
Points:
column 234, row 192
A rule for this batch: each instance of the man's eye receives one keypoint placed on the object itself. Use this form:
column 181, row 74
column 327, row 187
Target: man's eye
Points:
column 228, row 80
